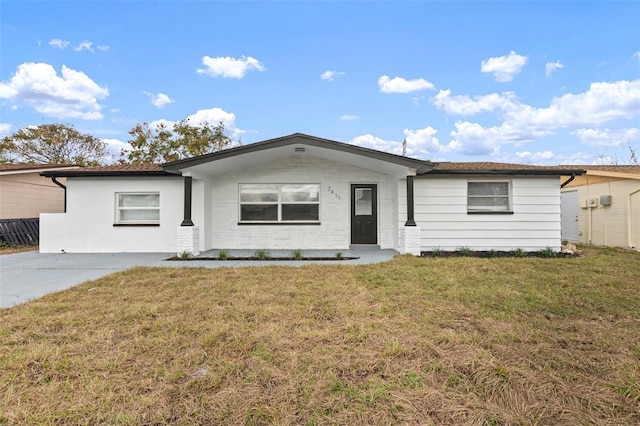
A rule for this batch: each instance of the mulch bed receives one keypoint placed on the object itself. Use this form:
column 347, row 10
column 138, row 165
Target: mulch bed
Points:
column 270, row 259
column 492, row 253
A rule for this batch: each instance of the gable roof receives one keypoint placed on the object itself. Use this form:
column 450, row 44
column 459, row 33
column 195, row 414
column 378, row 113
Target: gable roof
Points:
column 301, row 139
column 447, row 167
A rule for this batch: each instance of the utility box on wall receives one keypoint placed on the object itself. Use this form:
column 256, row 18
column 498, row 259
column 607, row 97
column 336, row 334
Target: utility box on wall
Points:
column 605, row 200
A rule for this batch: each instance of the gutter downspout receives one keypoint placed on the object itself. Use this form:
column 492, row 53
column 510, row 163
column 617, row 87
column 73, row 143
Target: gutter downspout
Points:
column 568, row 181
column 53, row 179
column 630, row 243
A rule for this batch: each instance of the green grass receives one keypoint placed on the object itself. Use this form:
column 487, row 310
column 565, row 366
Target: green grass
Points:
column 411, row 341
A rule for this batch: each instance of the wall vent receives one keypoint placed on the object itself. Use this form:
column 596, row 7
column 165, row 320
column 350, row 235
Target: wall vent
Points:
column 605, row 200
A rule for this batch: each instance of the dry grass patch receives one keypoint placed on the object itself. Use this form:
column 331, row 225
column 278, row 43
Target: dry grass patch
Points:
column 9, row 249
column 410, row 341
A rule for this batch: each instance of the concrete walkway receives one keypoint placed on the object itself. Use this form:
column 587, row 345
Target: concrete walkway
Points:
column 29, row 275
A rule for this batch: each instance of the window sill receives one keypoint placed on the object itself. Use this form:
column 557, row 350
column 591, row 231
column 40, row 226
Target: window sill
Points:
column 278, row 223
column 137, row 224
column 490, row 212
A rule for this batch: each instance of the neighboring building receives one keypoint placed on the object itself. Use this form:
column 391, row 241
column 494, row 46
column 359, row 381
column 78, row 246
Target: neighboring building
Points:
column 602, row 207
column 24, row 193
column 304, row 192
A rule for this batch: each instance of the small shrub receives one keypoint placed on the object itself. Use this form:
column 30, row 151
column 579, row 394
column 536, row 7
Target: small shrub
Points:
column 465, row 251
column 297, row 254
column 224, row 255
column 261, row 254
column 185, row 255
column 519, row 252
column 548, row 252
column 437, row 252
column 339, row 255
column 492, row 253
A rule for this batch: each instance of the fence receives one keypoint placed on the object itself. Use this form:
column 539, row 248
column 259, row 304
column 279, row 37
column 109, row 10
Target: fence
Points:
column 19, row 231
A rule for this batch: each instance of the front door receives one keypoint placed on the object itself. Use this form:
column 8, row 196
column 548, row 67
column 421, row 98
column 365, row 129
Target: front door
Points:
column 364, row 214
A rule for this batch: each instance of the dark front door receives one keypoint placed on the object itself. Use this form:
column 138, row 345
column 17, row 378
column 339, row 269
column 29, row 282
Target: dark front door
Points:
column 364, row 214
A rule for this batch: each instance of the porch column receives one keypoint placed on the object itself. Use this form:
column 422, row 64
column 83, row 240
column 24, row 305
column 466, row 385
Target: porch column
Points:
column 410, row 215
column 188, row 237
column 187, row 202
column 409, row 234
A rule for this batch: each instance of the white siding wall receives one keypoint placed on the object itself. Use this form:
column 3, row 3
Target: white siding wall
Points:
column 441, row 213
column 88, row 224
column 335, row 214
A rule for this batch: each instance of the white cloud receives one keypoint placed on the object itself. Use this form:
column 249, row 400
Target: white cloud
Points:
column 637, row 55
column 603, row 102
column 607, row 137
column 421, row 143
column 71, row 95
column 349, row 117
column 474, row 139
column 400, row 85
column 213, row 116
column 115, row 146
column 465, row 105
column 551, row 67
column 85, row 45
column 520, row 123
column 374, row 142
column 330, row 75
column 104, row 48
column 159, row 100
column 228, row 67
column 547, row 158
column 504, row 68
column 5, row 128
column 60, row 44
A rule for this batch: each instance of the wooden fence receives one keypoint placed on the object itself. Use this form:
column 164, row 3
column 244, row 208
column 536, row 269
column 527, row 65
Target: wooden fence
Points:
column 19, row 231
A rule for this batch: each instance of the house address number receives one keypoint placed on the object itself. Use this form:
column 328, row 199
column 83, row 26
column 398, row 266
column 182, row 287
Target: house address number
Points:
column 332, row 192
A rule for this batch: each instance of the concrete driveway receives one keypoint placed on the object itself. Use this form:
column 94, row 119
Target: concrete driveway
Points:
column 29, row 275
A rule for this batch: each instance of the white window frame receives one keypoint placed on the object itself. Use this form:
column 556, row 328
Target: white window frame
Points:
column 494, row 208
column 118, row 210
column 279, row 203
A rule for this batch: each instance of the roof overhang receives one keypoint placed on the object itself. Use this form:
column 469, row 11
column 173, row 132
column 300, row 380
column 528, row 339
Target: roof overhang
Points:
column 509, row 172
column 619, row 175
column 108, row 173
column 37, row 169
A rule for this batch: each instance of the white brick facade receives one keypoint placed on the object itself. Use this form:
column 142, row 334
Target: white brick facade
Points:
column 188, row 240
column 409, row 240
column 334, row 231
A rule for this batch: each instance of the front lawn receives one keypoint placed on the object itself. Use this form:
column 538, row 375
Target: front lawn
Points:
column 412, row 341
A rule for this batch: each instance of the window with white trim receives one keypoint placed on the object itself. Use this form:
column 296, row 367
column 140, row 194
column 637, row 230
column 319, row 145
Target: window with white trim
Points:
column 488, row 197
column 279, row 203
column 137, row 208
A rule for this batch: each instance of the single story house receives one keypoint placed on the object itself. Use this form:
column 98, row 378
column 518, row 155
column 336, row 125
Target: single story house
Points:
column 305, row 192
column 602, row 207
column 24, row 193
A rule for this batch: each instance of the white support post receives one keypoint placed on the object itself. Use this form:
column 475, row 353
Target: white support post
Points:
column 188, row 240
column 409, row 240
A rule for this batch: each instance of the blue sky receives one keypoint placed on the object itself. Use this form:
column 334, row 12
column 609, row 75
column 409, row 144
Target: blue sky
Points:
column 524, row 82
